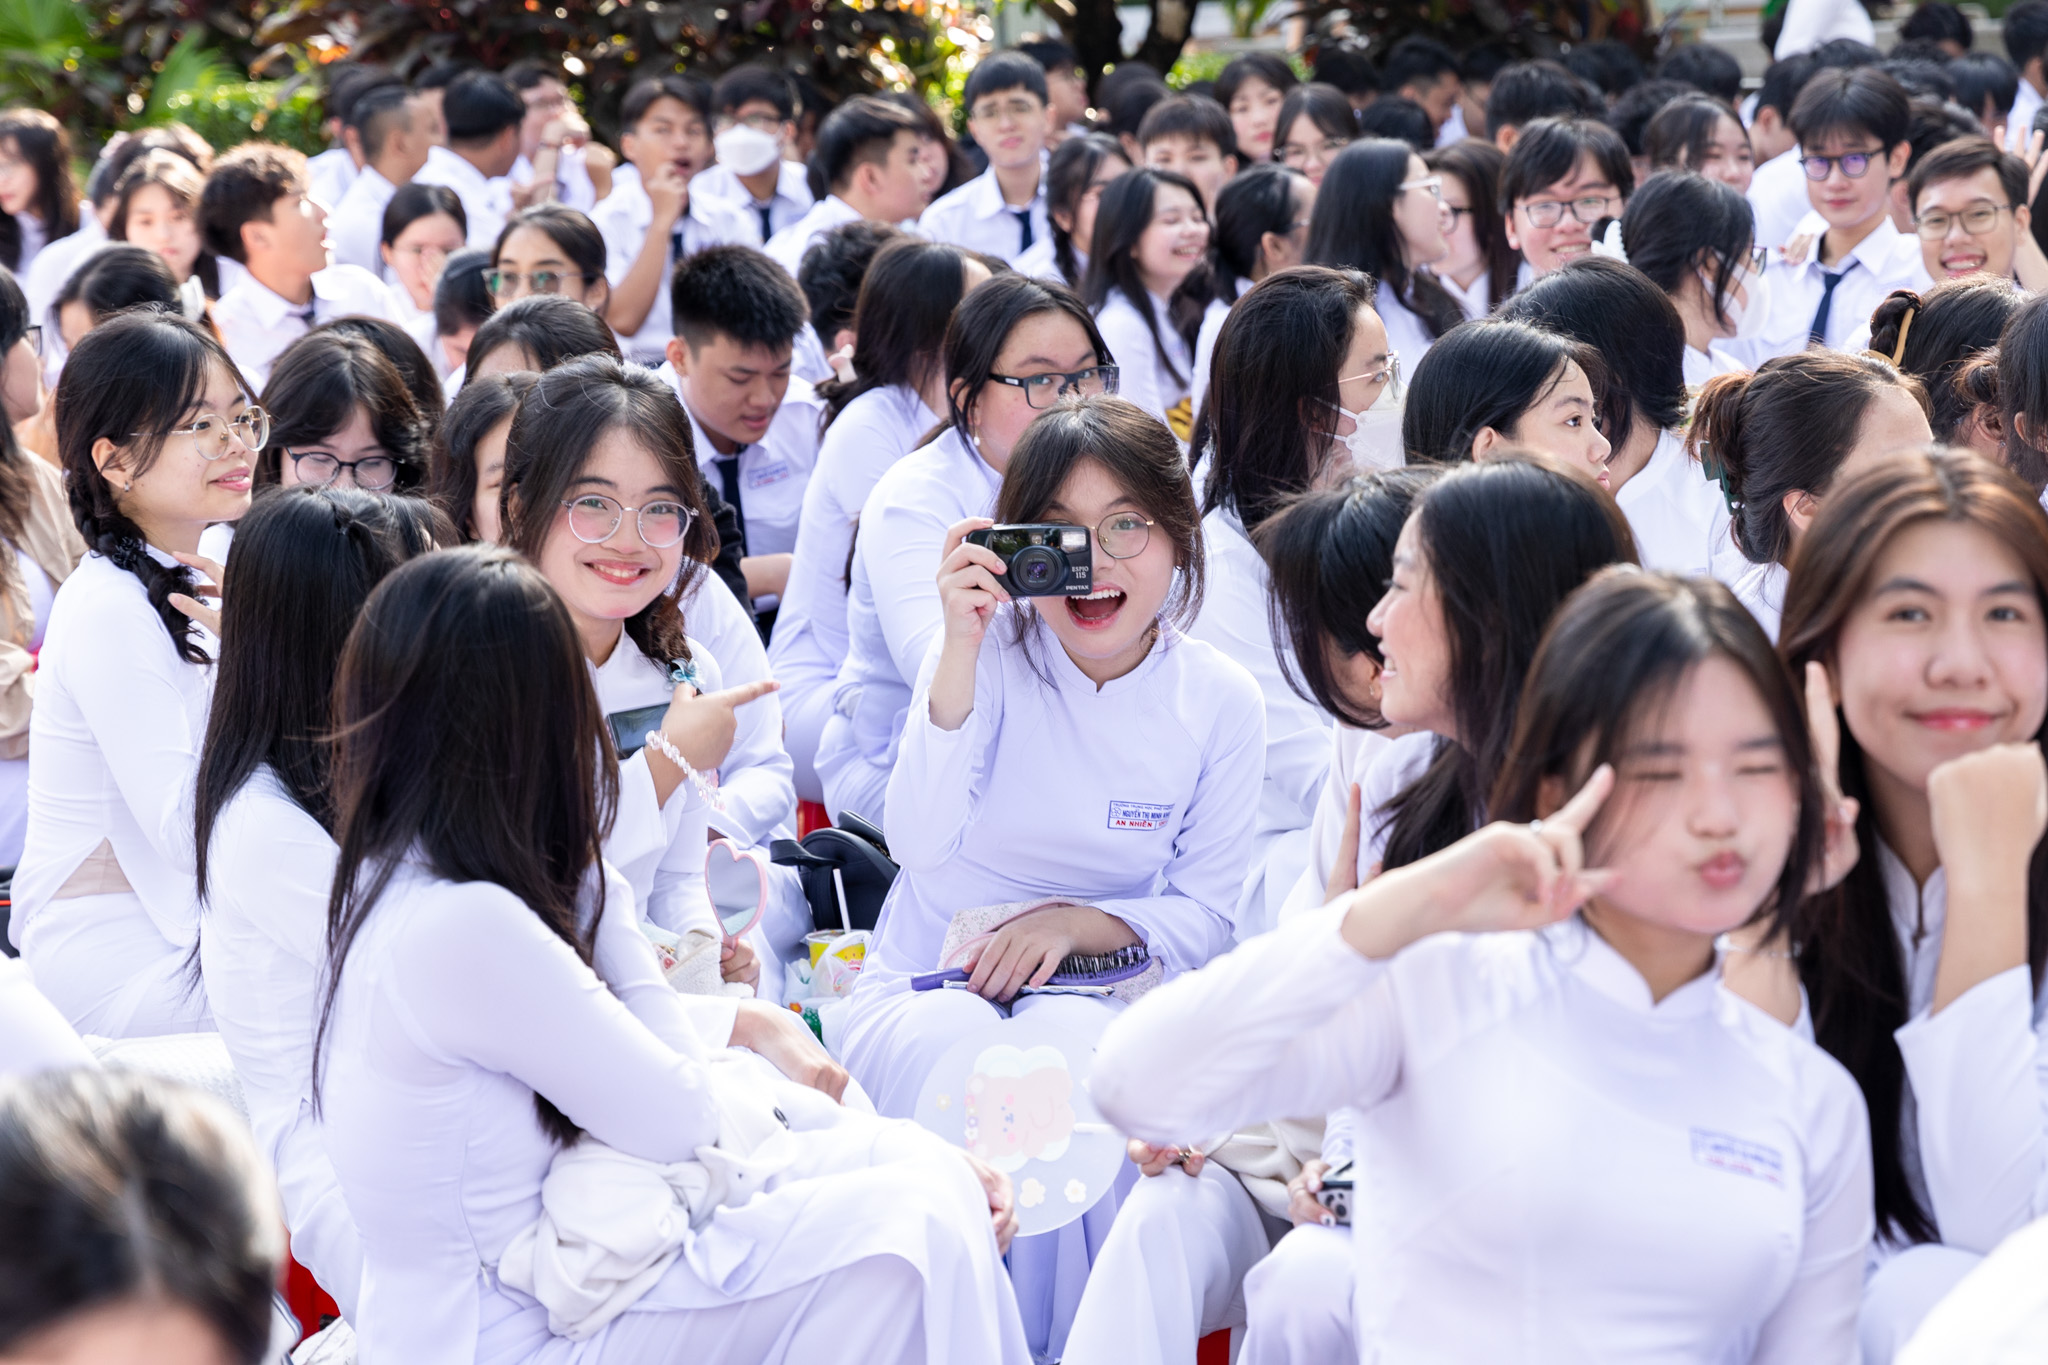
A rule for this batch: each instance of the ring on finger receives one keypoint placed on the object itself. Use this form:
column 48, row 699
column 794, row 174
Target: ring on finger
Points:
column 1536, row 828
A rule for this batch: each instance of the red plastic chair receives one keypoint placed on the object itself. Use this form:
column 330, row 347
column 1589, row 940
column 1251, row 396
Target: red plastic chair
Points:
column 1213, row 1349
column 310, row 1304
column 811, row 815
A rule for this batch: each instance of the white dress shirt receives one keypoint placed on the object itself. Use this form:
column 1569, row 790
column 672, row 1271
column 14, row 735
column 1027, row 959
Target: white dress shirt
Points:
column 977, row 217
column 2019, row 124
column 1670, row 505
column 1352, row 754
column 1205, row 347
column 1236, row 620
column 1809, row 23
column 573, row 185
column 34, row 1035
column 1408, row 336
column 624, row 218
column 329, row 174
column 265, row 942
column 355, row 227
column 1700, row 366
column 1885, row 260
column 1552, row 1166
column 1778, row 198
column 1475, row 299
column 771, row 472
column 256, row 322
column 486, row 200
column 791, row 201
column 788, row 244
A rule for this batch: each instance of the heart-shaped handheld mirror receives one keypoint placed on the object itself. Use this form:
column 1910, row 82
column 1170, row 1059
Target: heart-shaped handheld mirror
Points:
column 736, row 879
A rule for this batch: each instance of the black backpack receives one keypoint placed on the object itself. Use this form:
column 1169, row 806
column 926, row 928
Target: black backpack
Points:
column 856, row 851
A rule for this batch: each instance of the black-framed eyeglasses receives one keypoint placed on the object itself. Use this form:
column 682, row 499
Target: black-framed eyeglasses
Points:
column 1044, row 390
column 1124, row 535
column 1977, row 220
column 595, row 517
column 210, row 433
column 1853, row 164
column 33, row 335
column 506, row 284
column 1548, row 213
column 372, row 473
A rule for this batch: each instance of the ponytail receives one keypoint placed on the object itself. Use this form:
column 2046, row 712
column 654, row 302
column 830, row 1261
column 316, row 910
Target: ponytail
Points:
column 1784, row 428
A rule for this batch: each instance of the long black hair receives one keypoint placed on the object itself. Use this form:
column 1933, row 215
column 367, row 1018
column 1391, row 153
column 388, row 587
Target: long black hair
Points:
column 1845, row 941
column 1266, row 421
column 1937, row 336
column 557, row 427
column 137, row 372
column 1125, row 213
column 314, row 390
column 40, row 141
column 1485, row 374
column 468, row 737
column 548, row 327
column 305, row 561
column 1324, row 550
column 482, row 404
column 1506, row 542
column 422, row 380
column 1261, row 198
column 1614, row 655
column 899, row 324
column 1068, row 174
column 1353, row 226
column 1680, row 223
column 1635, row 327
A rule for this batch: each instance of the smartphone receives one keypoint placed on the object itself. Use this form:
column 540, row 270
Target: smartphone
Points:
column 629, row 728
column 1335, row 1194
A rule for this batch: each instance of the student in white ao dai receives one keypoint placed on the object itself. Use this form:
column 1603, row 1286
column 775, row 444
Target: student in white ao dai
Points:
column 1078, row 748
column 159, row 442
column 1573, row 1143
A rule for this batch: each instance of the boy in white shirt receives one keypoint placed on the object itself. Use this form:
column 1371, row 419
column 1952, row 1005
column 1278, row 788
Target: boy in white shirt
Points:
column 755, row 127
column 393, row 134
column 482, row 113
column 756, row 428
column 651, row 219
column 330, row 173
column 1777, row 189
column 1194, row 137
column 557, row 160
column 1852, row 128
column 2025, row 30
column 870, row 153
column 256, row 210
column 1562, row 176
column 1970, row 211
column 1000, row 212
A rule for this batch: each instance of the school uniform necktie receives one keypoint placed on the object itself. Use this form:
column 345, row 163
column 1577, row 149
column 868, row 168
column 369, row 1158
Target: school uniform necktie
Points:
column 767, row 221
column 1023, row 228
column 1819, row 331
column 729, row 489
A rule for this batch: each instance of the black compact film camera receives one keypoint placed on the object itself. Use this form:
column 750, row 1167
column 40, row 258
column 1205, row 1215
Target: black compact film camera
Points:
column 1043, row 560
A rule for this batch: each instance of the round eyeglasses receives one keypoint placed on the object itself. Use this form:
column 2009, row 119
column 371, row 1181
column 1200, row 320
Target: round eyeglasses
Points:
column 210, row 433
column 595, row 517
column 1123, row 535
column 507, row 285
column 1044, row 390
column 372, row 474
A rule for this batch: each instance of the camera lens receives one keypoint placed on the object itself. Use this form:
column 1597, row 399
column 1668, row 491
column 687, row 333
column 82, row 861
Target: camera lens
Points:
column 1036, row 569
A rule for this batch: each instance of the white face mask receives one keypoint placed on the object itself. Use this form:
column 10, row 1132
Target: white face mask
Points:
column 1747, row 318
column 1375, row 437
column 749, row 151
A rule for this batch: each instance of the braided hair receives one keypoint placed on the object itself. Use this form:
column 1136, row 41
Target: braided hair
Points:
column 140, row 372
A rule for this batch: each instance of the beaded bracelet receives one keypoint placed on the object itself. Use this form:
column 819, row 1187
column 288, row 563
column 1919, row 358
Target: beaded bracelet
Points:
column 706, row 789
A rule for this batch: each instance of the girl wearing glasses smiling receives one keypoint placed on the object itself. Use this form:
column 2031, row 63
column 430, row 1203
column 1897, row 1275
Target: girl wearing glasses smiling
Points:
column 1089, row 728
column 602, row 494
column 159, row 441
column 1014, row 346
column 549, row 249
